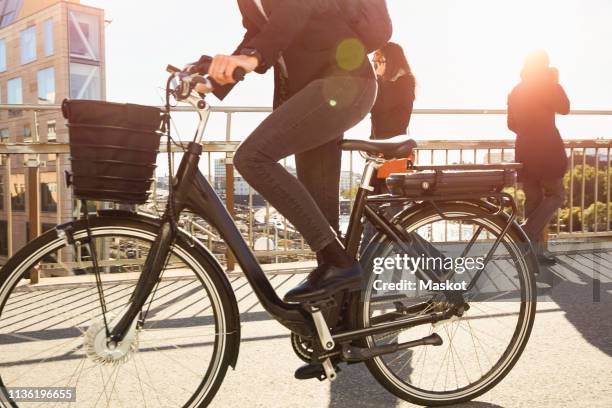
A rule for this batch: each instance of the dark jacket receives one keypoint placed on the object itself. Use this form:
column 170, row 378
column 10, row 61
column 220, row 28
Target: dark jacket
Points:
column 532, row 106
column 312, row 36
column 393, row 108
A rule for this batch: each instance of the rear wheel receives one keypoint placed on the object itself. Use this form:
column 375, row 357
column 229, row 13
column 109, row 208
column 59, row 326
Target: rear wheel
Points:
column 480, row 347
column 53, row 334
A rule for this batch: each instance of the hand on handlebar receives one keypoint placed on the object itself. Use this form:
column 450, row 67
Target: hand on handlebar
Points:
column 227, row 69
column 222, row 68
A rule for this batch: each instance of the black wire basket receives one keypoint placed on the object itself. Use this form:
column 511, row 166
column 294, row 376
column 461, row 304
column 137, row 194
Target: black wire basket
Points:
column 113, row 149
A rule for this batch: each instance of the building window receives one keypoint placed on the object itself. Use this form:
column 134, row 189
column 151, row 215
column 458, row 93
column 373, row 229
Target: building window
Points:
column 84, row 35
column 2, row 55
column 27, row 42
column 8, row 11
column 14, row 96
column 84, row 81
column 48, row 192
column 48, row 37
column 51, row 135
column 13, row 88
column 27, row 138
column 27, row 133
column 3, row 238
column 46, row 85
column 18, row 196
column 4, row 138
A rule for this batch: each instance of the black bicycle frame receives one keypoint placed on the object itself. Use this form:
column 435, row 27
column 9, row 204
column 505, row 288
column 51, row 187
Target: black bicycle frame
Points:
column 193, row 192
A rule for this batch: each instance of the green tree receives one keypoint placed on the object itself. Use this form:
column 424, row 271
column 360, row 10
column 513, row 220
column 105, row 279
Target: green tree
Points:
column 589, row 185
column 565, row 219
column 349, row 193
column 600, row 209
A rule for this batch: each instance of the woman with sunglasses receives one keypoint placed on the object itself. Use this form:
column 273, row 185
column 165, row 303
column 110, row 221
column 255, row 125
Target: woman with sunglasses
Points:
column 393, row 107
column 396, row 93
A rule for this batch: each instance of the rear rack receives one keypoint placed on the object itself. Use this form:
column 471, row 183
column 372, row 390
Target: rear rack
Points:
column 463, row 167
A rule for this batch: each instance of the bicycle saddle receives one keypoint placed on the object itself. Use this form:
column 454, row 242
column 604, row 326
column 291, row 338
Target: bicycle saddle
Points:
column 395, row 148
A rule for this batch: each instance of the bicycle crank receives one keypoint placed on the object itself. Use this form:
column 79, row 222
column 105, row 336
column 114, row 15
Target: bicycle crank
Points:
column 102, row 351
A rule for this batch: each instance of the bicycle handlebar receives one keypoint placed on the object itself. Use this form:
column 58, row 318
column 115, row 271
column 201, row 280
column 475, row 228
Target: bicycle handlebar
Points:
column 195, row 75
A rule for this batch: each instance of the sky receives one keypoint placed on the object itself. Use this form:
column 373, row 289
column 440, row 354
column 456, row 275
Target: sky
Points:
column 464, row 53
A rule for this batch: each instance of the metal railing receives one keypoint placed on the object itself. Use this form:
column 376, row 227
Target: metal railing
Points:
column 590, row 214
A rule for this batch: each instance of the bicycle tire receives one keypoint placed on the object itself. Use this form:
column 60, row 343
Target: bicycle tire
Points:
column 376, row 366
column 209, row 273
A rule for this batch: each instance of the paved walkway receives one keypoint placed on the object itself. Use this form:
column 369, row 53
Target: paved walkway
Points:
column 567, row 363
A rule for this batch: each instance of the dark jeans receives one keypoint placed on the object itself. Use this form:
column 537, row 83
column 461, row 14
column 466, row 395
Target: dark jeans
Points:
column 319, row 171
column 542, row 199
column 309, row 123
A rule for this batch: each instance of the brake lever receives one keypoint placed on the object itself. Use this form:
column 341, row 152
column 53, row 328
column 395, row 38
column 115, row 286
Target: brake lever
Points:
column 202, row 80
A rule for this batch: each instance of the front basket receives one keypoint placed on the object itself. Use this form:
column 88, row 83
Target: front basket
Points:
column 113, row 149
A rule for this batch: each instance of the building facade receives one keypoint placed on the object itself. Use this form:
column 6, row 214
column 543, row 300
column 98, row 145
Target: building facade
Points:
column 49, row 50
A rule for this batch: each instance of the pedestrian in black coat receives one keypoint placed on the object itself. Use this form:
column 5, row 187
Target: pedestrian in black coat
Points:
column 532, row 106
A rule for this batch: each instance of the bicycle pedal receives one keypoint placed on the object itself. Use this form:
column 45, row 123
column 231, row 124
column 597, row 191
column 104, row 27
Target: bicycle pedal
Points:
column 317, row 371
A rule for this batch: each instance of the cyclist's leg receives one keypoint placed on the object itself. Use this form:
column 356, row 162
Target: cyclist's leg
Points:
column 311, row 118
column 319, row 170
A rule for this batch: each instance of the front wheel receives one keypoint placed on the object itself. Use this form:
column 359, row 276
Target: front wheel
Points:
column 482, row 345
column 53, row 334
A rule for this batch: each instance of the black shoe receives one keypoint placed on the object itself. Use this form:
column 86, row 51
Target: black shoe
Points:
column 546, row 259
column 325, row 281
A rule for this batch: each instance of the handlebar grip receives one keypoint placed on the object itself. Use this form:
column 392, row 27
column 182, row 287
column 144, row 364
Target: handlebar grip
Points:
column 172, row 69
column 239, row 74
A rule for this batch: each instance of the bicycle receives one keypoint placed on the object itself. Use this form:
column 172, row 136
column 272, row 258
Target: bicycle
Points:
column 180, row 311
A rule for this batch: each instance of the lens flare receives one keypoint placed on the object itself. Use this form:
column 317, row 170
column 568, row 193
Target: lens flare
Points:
column 350, row 54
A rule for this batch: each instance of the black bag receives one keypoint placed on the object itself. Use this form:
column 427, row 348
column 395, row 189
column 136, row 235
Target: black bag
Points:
column 370, row 20
column 113, row 149
column 446, row 182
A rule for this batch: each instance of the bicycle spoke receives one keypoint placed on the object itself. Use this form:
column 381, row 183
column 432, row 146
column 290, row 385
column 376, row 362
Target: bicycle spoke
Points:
column 480, row 343
column 478, row 339
column 144, row 399
column 149, row 376
column 105, row 383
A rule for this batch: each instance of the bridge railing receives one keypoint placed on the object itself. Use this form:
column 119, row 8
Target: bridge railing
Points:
column 588, row 211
